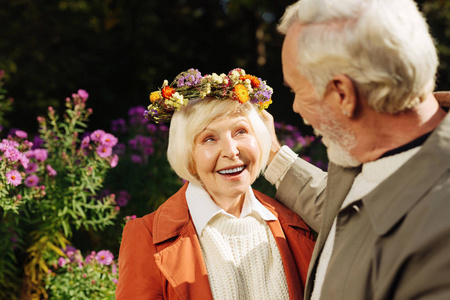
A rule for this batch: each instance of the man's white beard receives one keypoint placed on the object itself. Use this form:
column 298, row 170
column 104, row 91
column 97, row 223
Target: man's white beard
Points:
column 338, row 143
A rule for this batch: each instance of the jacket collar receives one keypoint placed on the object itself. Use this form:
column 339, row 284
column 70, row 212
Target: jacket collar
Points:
column 395, row 196
column 171, row 218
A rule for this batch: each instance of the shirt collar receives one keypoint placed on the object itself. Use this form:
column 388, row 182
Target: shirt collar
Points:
column 203, row 208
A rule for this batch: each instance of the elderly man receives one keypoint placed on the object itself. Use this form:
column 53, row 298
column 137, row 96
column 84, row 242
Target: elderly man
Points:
column 363, row 73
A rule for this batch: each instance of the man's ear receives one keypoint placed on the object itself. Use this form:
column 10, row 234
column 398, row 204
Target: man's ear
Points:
column 344, row 88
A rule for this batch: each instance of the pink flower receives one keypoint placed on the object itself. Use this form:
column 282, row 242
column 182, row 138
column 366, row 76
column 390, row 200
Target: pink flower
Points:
column 51, row 171
column 108, row 140
column 114, row 161
column 90, row 257
column 32, row 168
column 85, row 142
column 62, row 262
column 104, row 257
column 40, row 154
column 21, row 134
column 31, row 180
column 104, row 151
column 13, row 177
column 137, row 159
column 114, row 280
column 83, row 94
column 97, row 134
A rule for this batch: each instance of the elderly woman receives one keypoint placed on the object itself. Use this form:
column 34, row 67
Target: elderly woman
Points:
column 216, row 238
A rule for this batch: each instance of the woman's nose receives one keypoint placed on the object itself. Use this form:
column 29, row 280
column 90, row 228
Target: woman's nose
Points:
column 229, row 148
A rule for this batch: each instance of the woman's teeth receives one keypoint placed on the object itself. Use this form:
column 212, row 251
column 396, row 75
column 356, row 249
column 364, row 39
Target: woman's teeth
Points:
column 231, row 171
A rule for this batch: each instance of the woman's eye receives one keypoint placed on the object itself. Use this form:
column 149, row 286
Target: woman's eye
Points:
column 241, row 131
column 208, row 139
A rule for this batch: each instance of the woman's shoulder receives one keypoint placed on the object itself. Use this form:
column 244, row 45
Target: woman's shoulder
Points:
column 284, row 214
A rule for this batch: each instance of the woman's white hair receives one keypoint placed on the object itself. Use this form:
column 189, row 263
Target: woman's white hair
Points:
column 384, row 46
column 191, row 120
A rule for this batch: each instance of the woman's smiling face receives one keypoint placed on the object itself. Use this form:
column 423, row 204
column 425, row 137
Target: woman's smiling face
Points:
column 227, row 158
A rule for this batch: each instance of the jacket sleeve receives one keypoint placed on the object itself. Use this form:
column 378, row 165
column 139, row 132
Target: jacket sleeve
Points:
column 302, row 190
column 139, row 277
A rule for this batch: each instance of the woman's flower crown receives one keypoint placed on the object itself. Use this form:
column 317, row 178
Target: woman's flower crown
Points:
column 191, row 84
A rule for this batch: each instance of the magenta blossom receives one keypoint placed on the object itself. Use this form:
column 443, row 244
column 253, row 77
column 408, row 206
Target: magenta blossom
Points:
column 32, row 168
column 104, row 257
column 13, row 177
column 83, row 94
column 21, row 134
column 62, row 262
column 31, row 180
column 85, row 142
column 114, row 161
column 104, row 151
column 97, row 134
column 108, row 140
column 40, row 154
column 51, row 171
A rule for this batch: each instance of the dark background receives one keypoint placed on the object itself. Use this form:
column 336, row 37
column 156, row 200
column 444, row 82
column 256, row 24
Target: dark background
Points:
column 121, row 50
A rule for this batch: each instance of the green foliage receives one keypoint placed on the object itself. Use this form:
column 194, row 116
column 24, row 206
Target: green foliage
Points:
column 46, row 193
column 74, row 277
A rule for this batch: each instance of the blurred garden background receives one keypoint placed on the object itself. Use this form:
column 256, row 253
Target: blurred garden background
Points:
column 79, row 160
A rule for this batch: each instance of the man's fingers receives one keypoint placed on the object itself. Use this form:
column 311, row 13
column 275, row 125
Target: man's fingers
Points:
column 443, row 97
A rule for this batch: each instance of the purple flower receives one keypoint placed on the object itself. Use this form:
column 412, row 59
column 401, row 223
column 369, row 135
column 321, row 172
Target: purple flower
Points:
column 85, row 142
column 51, row 171
column 163, row 128
column 114, row 280
column 137, row 115
column 40, row 154
column 190, row 77
column 32, row 167
column 133, row 143
column 152, row 128
column 37, row 142
column 69, row 248
column 118, row 125
column 104, row 257
column 114, row 161
column 104, row 151
column 83, row 94
column 31, row 180
column 108, row 140
column 97, row 134
column 120, row 149
column 123, row 197
column 149, row 150
column 62, row 262
column 137, row 159
column 90, row 257
column 13, row 177
column 21, row 134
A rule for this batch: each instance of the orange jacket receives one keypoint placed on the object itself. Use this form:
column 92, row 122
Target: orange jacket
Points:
column 160, row 255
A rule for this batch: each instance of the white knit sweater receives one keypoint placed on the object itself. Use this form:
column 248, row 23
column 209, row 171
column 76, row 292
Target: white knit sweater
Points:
column 242, row 259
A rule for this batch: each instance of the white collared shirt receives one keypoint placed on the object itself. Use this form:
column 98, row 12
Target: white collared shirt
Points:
column 203, row 208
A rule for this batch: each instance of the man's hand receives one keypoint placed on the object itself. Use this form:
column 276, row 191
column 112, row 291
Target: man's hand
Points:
column 443, row 98
column 275, row 144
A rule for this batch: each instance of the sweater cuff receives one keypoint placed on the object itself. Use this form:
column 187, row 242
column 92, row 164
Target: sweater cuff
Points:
column 280, row 164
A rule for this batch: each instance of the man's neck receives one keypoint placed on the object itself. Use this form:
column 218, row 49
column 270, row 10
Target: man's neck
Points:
column 384, row 132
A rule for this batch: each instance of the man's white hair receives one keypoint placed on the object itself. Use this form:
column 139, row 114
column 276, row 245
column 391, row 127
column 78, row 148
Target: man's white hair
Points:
column 384, row 46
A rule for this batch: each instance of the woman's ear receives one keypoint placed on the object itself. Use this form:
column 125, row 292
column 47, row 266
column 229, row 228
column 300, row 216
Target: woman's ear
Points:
column 346, row 92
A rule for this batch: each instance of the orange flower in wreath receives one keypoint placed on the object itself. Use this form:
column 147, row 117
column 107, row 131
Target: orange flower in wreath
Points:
column 167, row 92
column 253, row 80
column 154, row 96
column 241, row 93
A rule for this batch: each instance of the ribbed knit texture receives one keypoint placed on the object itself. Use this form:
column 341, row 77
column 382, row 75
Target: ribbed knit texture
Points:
column 242, row 259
